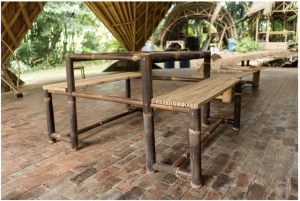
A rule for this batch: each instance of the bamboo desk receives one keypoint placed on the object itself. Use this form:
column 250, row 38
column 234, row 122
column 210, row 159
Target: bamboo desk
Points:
column 205, row 88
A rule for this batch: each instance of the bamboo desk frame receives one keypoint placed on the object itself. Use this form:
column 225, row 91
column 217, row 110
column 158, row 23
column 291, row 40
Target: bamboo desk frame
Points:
column 146, row 58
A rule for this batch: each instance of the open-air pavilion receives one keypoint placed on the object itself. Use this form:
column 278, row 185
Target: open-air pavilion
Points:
column 154, row 149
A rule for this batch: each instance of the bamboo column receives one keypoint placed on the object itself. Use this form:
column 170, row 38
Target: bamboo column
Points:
column 221, row 39
column 49, row 115
column 237, row 106
column 127, row 91
column 148, row 112
column 195, row 147
column 268, row 27
column 206, row 107
column 257, row 23
column 72, row 103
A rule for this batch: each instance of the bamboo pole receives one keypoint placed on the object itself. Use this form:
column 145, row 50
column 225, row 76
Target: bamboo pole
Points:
column 268, row 29
column 257, row 23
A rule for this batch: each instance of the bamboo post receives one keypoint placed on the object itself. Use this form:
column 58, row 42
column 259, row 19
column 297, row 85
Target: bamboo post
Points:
column 268, row 31
column 49, row 115
column 127, row 91
column 72, row 103
column 221, row 39
column 255, row 80
column 257, row 23
column 237, row 106
column 206, row 107
column 195, row 147
column 148, row 112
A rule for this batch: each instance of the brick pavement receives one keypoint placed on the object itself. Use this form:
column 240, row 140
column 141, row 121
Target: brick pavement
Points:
column 258, row 162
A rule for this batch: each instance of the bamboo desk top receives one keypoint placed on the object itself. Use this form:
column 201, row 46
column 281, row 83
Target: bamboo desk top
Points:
column 79, row 84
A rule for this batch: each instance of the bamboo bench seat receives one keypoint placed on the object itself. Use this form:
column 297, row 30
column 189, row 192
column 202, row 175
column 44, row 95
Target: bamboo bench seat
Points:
column 196, row 95
column 79, row 84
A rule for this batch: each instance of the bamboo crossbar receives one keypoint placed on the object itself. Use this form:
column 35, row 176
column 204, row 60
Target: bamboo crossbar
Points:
column 183, row 79
column 120, row 100
column 203, row 138
column 179, row 172
column 156, row 57
column 66, row 137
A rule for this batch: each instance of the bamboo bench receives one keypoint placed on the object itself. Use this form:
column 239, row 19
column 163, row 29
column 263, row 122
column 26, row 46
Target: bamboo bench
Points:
column 195, row 96
column 81, row 68
column 89, row 82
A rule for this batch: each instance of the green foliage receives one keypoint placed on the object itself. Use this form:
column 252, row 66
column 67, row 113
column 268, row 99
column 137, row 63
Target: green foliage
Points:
column 246, row 45
column 63, row 28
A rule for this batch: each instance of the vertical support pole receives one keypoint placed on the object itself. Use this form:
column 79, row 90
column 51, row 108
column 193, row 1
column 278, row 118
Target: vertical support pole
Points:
column 72, row 103
column 257, row 23
column 255, row 80
column 237, row 106
column 206, row 107
column 148, row 112
column 127, row 90
column 195, row 147
column 49, row 115
column 268, row 29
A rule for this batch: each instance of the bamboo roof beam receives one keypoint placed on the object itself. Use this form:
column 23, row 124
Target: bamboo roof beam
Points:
column 25, row 14
column 146, row 22
column 12, row 37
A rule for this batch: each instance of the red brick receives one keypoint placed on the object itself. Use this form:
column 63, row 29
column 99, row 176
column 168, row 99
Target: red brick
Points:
column 128, row 182
column 149, row 180
column 177, row 190
column 213, row 195
column 64, row 167
column 105, row 173
column 222, row 183
column 37, row 181
column 58, row 179
column 257, row 192
column 155, row 191
column 104, row 186
column 189, row 196
column 126, row 170
column 243, row 181
column 11, row 194
column 13, row 184
column 86, row 196
column 9, row 171
column 235, row 194
column 72, row 193
column 30, row 195
column 107, row 162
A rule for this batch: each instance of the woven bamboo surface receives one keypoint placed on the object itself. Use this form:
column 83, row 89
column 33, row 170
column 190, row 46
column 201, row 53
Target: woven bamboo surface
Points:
column 196, row 95
column 79, row 84
column 16, row 20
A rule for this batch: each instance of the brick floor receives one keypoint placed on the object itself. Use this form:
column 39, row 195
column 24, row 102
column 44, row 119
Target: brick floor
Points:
column 258, row 162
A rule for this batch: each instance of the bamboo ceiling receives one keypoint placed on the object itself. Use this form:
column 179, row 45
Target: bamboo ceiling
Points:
column 132, row 23
column 197, row 10
column 16, row 20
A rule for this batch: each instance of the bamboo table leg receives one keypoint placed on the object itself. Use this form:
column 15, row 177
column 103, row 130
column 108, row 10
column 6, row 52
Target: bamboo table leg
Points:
column 148, row 112
column 206, row 107
column 195, row 147
column 49, row 115
column 255, row 82
column 127, row 84
column 72, row 103
column 82, row 71
column 237, row 106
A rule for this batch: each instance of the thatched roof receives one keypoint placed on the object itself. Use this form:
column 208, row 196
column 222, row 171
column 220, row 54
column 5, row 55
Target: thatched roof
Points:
column 265, row 6
column 132, row 23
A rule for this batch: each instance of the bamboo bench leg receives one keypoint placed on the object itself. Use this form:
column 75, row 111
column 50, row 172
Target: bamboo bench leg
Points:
column 206, row 107
column 195, row 147
column 72, row 103
column 148, row 112
column 127, row 91
column 237, row 106
column 49, row 115
column 255, row 81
